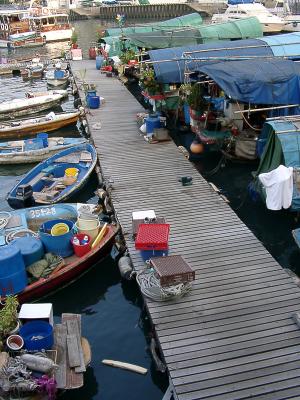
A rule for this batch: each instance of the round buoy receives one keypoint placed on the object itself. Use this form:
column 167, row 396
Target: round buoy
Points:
column 196, row 147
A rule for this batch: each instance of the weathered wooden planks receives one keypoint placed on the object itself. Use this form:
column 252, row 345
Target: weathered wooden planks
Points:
column 233, row 337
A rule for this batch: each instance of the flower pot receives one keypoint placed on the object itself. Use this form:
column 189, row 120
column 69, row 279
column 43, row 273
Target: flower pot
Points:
column 16, row 329
column 14, row 342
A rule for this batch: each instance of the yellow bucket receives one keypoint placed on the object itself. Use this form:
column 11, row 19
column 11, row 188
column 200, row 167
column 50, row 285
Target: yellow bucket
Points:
column 73, row 172
column 59, row 229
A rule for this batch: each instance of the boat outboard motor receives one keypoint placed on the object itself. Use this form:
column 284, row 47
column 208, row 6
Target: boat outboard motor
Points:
column 24, row 195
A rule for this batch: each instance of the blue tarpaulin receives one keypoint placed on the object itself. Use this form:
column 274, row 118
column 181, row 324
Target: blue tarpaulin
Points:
column 235, row 2
column 259, row 81
column 173, row 69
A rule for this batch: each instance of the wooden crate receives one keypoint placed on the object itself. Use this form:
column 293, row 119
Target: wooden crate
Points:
column 172, row 270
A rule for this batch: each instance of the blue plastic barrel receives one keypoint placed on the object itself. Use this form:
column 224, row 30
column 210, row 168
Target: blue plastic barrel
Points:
column 44, row 137
column 186, row 110
column 13, row 278
column 94, row 102
column 31, row 249
column 152, row 122
column 60, row 245
column 37, row 335
column 99, row 62
column 58, row 74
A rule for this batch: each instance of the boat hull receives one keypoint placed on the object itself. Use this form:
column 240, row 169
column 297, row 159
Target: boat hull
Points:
column 31, row 130
column 34, row 156
column 68, row 274
column 57, row 35
column 28, row 110
column 58, row 83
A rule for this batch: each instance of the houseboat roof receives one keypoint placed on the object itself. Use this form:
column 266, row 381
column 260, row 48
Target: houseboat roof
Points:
column 169, row 64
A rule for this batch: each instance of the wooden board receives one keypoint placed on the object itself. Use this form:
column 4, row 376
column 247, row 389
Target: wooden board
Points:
column 233, row 337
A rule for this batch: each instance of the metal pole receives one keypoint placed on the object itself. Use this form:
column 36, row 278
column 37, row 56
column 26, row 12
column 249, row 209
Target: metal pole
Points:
column 287, row 117
column 265, row 109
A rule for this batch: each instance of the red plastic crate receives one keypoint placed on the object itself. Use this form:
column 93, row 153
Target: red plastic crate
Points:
column 152, row 237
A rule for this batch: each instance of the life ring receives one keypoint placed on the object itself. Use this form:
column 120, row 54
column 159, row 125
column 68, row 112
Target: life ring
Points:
column 45, row 11
column 2, row 27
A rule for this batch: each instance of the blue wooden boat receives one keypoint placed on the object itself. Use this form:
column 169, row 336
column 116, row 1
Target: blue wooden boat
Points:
column 34, row 150
column 50, row 183
column 27, row 222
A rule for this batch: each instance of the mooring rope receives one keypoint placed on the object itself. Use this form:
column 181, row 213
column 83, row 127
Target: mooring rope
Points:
column 150, row 286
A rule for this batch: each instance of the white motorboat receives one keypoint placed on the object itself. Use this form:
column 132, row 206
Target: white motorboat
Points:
column 269, row 21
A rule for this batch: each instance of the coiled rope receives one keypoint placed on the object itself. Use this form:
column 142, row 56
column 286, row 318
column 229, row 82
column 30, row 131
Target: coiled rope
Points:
column 150, row 286
column 4, row 219
column 19, row 233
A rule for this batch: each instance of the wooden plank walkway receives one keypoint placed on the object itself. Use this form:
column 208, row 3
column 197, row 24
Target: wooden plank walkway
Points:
column 233, row 336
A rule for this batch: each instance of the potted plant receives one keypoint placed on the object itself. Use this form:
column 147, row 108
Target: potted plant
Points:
column 9, row 322
column 197, row 105
column 74, row 39
column 150, row 85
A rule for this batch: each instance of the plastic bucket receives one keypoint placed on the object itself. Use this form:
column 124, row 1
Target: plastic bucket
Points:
column 59, row 74
column 93, row 102
column 81, row 249
column 61, row 244
column 87, row 223
column 44, row 137
column 99, row 62
column 37, row 335
column 92, row 233
column 59, row 229
column 71, row 172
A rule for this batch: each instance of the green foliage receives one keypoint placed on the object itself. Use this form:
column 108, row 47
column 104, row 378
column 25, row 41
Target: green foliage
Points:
column 74, row 37
column 9, row 315
column 128, row 55
column 195, row 98
column 149, row 82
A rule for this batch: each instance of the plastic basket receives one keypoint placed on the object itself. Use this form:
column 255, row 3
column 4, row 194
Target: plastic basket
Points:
column 152, row 237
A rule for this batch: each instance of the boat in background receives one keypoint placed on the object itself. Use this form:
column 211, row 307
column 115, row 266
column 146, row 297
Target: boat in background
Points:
column 58, row 76
column 56, row 179
column 270, row 22
column 34, row 26
column 62, row 92
column 19, row 107
column 31, row 219
column 34, row 150
column 31, row 126
column 33, row 70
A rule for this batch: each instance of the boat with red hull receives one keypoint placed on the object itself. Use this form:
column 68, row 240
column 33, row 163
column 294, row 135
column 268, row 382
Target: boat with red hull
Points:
column 71, row 267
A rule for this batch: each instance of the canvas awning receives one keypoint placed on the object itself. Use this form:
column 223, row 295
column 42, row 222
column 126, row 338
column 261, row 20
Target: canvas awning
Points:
column 159, row 39
column 172, row 70
column 193, row 19
column 257, row 81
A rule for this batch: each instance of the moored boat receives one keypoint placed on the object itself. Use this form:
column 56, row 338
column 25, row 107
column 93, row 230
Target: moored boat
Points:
column 56, row 179
column 58, row 78
column 33, row 150
column 31, row 126
column 62, row 92
column 69, row 267
column 19, row 107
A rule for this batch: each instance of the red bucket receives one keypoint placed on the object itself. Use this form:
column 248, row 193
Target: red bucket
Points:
column 81, row 249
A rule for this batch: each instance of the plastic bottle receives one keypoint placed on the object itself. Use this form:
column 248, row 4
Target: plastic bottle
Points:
column 85, row 240
column 76, row 241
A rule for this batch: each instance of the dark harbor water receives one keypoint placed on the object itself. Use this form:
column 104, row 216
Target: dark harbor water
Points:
column 113, row 318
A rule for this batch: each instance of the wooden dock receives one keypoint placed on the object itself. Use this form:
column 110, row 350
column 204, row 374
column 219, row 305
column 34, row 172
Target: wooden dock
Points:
column 233, row 336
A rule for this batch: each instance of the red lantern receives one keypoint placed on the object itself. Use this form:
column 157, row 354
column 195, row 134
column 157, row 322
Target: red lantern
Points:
column 197, row 147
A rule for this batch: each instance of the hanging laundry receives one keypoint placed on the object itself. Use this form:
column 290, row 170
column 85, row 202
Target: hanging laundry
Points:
column 279, row 187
